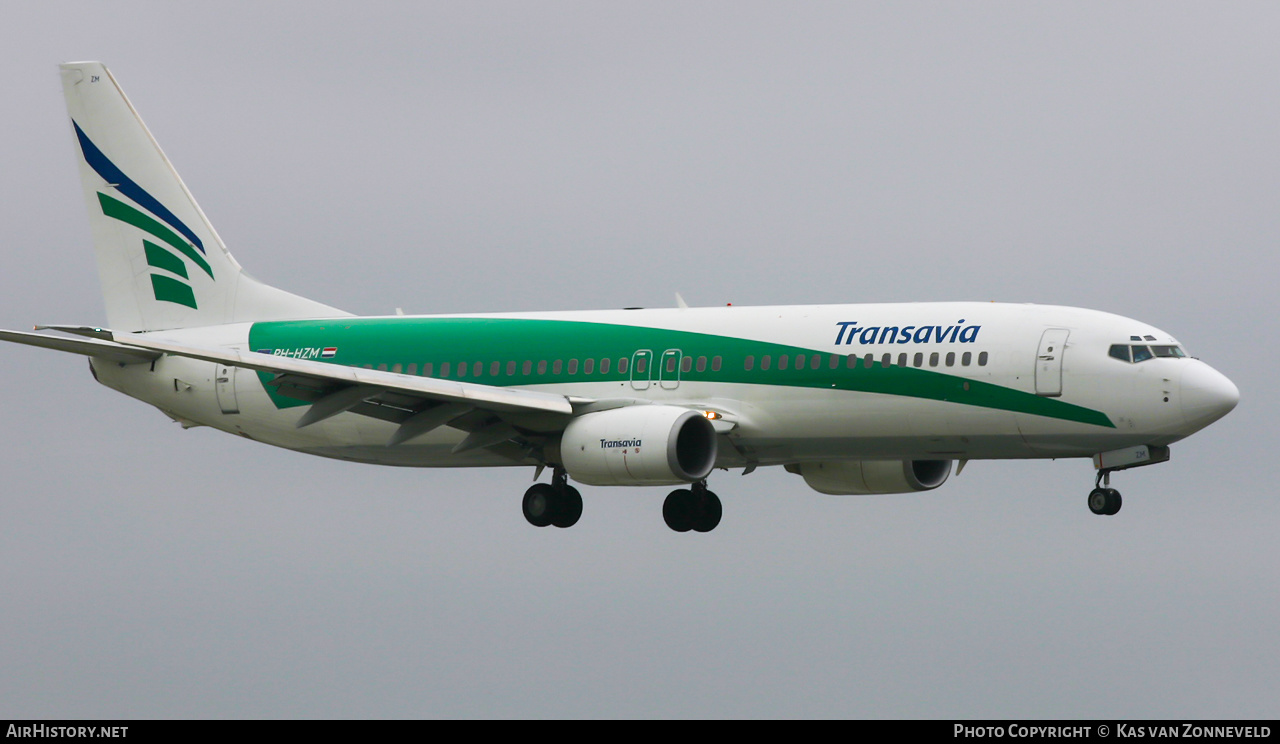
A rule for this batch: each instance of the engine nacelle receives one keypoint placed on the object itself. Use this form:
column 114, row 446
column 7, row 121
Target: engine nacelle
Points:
column 855, row 477
column 639, row 446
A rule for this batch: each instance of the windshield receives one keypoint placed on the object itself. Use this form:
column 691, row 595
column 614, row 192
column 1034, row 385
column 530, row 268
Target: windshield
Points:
column 1135, row 353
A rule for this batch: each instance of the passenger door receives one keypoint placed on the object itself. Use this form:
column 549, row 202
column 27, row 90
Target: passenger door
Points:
column 224, row 385
column 1049, row 362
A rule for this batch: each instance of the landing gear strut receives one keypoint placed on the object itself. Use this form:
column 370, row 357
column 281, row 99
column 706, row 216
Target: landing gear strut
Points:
column 1103, row 499
column 693, row 508
column 556, row 503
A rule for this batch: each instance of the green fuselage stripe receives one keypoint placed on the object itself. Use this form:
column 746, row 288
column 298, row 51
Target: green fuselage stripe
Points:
column 377, row 342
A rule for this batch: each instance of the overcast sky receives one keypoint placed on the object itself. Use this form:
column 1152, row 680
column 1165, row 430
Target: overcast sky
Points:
column 485, row 156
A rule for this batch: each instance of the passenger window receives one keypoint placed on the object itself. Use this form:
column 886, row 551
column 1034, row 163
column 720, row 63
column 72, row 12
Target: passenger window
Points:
column 413, row 368
column 782, row 361
column 426, row 369
column 765, row 362
column 816, row 362
column 982, row 359
column 919, row 359
column 444, row 369
column 902, row 360
column 1141, row 354
column 951, row 359
column 526, row 368
column 715, row 363
column 702, row 364
column 382, row 368
column 867, row 361
column 886, row 360
column 622, row 365
column 396, row 368
column 851, row 361
column 640, row 365
column 686, row 364
column 1119, row 351
column 588, row 365
column 800, row 360
column 494, row 369
column 573, row 366
column 966, row 359
column 511, row 368
column 604, row 366
column 556, row 367
column 835, row 361
column 477, row 369
column 462, row 369
column 749, row 362
column 542, row 366
column 933, row 359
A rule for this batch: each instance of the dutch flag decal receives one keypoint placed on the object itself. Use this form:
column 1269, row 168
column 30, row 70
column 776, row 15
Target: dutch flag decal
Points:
column 329, row 352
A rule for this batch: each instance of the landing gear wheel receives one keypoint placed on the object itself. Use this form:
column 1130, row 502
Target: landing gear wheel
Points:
column 568, row 508
column 539, row 504
column 692, row 509
column 1104, row 501
column 707, row 512
column 1113, row 501
column 678, row 510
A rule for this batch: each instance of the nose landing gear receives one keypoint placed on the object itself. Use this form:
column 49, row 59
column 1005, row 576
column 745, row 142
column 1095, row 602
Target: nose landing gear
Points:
column 1104, row 500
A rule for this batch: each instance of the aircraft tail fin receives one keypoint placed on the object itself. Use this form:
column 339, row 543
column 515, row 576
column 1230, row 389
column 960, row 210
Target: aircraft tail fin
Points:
column 160, row 262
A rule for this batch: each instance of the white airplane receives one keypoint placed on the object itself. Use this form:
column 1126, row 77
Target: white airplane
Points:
column 856, row 399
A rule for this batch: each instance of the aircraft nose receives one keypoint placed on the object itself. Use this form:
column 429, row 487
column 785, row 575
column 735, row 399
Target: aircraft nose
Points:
column 1207, row 395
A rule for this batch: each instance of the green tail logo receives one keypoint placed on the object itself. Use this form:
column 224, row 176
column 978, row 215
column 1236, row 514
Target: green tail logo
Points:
column 173, row 285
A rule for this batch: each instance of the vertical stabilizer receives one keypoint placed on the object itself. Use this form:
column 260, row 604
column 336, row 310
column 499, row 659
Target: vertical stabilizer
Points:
column 160, row 262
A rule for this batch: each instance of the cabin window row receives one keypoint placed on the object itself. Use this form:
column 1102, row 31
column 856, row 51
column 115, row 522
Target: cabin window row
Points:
column 687, row 364
column 542, row 366
column 867, row 361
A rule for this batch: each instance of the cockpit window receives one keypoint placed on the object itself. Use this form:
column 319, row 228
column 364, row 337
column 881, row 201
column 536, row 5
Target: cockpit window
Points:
column 1135, row 353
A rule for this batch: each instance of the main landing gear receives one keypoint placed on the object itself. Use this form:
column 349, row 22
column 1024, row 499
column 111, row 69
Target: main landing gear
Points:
column 693, row 508
column 556, row 503
column 1103, row 499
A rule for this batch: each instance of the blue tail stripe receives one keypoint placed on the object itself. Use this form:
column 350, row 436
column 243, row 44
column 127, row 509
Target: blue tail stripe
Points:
column 125, row 185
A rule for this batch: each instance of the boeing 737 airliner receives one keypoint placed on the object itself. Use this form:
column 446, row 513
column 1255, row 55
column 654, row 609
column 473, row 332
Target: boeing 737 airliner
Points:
column 855, row 399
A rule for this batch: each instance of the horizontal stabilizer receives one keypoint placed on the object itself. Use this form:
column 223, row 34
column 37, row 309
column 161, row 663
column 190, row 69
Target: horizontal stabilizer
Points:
column 107, row 350
column 90, row 331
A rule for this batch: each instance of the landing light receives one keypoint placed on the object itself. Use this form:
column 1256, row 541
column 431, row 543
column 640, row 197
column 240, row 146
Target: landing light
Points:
column 711, row 415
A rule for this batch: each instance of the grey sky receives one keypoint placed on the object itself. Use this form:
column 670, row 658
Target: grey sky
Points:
column 526, row 156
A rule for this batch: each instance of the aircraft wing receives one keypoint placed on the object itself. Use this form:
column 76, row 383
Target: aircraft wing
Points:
column 493, row 416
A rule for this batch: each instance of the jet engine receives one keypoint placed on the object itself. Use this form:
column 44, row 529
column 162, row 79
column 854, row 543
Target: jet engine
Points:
column 639, row 446
column 855, row 477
